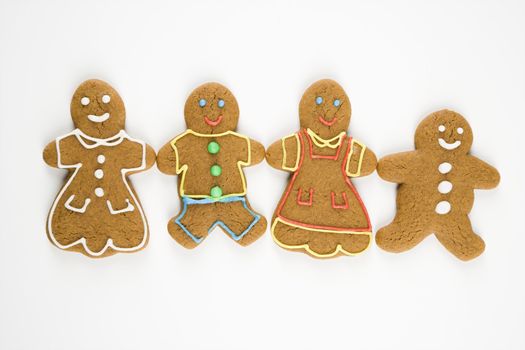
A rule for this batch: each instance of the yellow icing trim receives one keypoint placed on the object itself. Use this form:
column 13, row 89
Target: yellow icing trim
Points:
column 320, row 142
column 360, row 162
column 183, row 169
column 306, row 247
column 294, row 168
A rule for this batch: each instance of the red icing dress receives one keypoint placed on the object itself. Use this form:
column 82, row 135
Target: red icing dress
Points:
column 320, row 196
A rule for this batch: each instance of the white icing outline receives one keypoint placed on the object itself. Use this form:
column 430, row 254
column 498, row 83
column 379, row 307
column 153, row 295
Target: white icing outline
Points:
column 449, row 146
column 81, row 210
column 98, row 118
column 129, row 208
column 112, row 141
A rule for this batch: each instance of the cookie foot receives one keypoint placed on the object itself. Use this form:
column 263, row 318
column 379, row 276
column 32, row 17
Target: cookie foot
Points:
column 256, row 231
column 397, row 238
column 181, row 236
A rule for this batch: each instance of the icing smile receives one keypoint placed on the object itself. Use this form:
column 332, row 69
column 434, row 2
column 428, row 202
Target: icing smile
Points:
column 449, row 146
column 98, row 118
column 327, row 122
column 213, row 122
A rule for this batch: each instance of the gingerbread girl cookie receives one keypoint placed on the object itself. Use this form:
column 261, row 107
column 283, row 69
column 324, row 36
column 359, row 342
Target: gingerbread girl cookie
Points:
column 209, row 157
column 320, row 212
column 436, row 188
column 97, row 211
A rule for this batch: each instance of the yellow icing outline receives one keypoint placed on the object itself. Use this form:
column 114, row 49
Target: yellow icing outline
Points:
column 306, row 246
column 361, row 156
column 320, row 142
column 297, row 158
column 182, row 169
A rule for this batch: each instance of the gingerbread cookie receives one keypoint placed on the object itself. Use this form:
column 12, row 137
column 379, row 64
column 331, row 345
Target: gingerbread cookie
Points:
column 97, row 211
column 436, row 188
column 320, row 212
column 209, row 157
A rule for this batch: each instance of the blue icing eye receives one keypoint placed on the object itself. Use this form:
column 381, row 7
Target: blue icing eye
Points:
column 202, row 102
column 220, row 103
column 318, row 100
column 337, row 102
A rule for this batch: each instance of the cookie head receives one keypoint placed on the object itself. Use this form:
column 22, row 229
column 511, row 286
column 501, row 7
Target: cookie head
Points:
column 211, row 109
column 97, row 109
column 325, row 109
column 444, row 130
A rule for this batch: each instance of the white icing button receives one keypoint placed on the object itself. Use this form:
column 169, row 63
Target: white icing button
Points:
column 445, row 187
column 99, row 192
column 445, row 167
column 99, row 174
column 101, row 159
column 443, row 207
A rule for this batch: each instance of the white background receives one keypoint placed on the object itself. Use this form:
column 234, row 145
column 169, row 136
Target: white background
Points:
column 398, row 62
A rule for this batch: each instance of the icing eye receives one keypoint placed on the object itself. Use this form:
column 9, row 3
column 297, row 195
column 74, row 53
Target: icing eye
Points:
column 318, row 100
column 220, row 103
column 202, row 102
column 84, row 101
column 460, row 131
column 106, row 98
column 337, row 102
column 441, row 128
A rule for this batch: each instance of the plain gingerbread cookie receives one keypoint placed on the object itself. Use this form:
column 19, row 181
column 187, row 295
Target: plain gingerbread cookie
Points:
column 436, row 188
column 209, row 157
column 97, row 211
column 321, row 213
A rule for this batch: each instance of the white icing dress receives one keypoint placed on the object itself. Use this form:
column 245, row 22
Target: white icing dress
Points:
column 97, row 208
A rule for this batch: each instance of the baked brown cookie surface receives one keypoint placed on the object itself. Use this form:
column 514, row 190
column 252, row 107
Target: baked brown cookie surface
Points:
column 436, row 187
column 321, row 212
column 208, row 158
column 97, row 211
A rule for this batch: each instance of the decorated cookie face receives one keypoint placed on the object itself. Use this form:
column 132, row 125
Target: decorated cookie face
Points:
column 325, row 109
column 97, row 109
column 211, row 109
column 444, row 131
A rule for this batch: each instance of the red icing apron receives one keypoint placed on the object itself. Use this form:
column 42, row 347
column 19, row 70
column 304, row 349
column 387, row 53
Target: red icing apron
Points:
column 322, row 201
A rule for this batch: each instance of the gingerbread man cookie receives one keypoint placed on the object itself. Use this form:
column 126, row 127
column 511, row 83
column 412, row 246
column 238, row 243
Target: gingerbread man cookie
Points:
column 320, row 212
column 436, row 188
column 97, row 211
column 209, row 157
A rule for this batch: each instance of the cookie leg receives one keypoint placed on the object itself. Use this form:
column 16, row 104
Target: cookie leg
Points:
column 317, row 243
column 191, row 226
column 240, row 222
column 458, row 237
column 401, row 235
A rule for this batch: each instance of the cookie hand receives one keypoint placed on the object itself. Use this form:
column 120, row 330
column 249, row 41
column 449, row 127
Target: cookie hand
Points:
column 50, row 154
column 167, row 160
column 395, row 167
column 483, row 175
column 257, row 152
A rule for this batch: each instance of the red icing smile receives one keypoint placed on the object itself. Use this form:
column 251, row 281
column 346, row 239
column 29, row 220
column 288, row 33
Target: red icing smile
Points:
column 327, row 122
column 213, row 122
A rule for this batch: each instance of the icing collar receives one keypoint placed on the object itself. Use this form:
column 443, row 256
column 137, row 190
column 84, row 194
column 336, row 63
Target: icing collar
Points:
column 92, row 142
column 320, row 142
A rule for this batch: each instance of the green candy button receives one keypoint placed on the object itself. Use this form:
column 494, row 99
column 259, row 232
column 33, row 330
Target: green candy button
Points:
column 216, row 192
column 215, row 170
column 213, row 147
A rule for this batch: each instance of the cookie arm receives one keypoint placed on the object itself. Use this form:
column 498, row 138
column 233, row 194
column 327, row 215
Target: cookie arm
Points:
column 369, row 164
column 285, row 153
column 50, row 154
column 395, row 167
column 167, row 160
column 256, row 152
column 150, row 156
column 481, row 174
column 361, row 161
